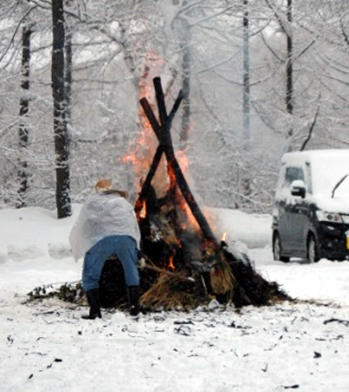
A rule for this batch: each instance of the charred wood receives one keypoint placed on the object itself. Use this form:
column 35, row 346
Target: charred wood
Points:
column 165, row 141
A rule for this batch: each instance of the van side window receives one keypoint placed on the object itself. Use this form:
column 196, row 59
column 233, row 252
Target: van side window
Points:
column 293, row 173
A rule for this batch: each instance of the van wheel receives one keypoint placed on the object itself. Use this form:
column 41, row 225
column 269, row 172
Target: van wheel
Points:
column 277, row 249
column 313, row 253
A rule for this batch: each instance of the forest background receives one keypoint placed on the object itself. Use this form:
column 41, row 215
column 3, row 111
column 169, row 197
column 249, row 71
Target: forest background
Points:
column 259, row 77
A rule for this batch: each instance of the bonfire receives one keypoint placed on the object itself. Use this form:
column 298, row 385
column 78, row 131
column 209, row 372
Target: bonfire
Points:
column 186, row 265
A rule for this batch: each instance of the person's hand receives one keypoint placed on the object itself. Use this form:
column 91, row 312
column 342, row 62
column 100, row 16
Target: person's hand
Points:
column 141, row 263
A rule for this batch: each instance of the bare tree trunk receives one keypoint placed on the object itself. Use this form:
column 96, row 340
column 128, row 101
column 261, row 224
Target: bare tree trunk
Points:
column 289, row 65
column 23, row 113
column 68, row 76
column 186, row 67
column 63, row 202
column 246, row 99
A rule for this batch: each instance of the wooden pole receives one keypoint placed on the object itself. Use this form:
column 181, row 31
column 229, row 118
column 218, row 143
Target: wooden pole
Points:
column 157, row 157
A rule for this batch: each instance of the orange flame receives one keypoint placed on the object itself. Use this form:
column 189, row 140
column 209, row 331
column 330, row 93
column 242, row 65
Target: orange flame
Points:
column 142, row 155
column 170, row 263
column 224, row 237
column 143, row 211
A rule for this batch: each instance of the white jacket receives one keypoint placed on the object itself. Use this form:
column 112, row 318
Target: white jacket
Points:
column 102, row 215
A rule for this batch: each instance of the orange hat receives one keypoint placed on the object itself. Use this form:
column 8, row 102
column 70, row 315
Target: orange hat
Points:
column 106, row 185
column 103, row 185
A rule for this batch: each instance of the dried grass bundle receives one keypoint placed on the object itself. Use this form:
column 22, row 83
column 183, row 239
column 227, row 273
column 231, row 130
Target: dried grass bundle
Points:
column 222, row 278
column 169, row 293
column 221, row 275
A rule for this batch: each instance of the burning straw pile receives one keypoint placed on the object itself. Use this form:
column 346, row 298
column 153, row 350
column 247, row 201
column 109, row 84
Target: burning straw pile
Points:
column 186, row 265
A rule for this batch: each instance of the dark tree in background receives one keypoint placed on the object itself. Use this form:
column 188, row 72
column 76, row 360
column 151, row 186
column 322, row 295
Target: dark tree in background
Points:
column 289, row 64
column 186, row 68
column 246, row 99
column 23, row 114
column 61, row 136
column 68, row 75
column 287, row 28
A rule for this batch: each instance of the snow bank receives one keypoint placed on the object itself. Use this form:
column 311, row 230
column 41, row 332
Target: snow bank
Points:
column 254, row 230
column 33, row 232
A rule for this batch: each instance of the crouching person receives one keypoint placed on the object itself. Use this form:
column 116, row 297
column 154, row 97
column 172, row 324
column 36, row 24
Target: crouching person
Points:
column 106, row 226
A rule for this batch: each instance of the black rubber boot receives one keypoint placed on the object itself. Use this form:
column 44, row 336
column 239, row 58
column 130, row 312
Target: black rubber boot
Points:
column 133, row 300
column 93, row 301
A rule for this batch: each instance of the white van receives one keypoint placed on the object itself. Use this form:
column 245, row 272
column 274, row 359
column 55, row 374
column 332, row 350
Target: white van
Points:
column 311, row 211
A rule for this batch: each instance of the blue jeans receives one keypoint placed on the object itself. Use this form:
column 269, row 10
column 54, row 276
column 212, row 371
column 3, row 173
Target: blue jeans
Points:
column 125, row 249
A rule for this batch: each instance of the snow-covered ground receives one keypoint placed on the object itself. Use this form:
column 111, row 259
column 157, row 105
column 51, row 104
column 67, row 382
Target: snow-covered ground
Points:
column 47, row 346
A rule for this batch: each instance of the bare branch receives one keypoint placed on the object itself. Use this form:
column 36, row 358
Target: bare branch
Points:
column 300, row 54
column 277, row 16
column 16, row 31
column 271, row 49
column 311, row 128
